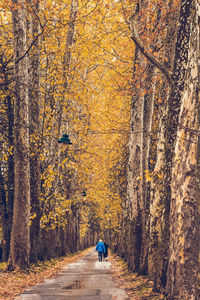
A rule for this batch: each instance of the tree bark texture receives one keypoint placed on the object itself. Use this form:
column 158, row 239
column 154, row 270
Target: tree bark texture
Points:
column 148, row 106
column 176, row 49
column 134, row 187
column 10, row 202
column 4, row 217
column 138, row 186
column 182, row 276
column 138, row 173
column 157, row 204
column 159, row 211
column 20, row 237
column 34, row 102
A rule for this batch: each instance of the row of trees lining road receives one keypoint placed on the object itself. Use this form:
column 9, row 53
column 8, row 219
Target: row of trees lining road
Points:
column 38, row 208
column 121, row 78
column 162, row 206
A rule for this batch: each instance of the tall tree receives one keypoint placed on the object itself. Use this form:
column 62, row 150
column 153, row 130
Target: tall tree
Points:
column 134, row 172
column 10, row 115
column 34, row 102
column 183, row 268
column 159, row 208
column 20, row 237
column 141, row 124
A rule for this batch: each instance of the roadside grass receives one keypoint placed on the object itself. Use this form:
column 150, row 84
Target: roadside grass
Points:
column 15, row 282
column 137, row 287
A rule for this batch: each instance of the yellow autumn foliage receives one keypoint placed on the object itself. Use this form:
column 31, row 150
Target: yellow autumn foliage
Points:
column 90, row 102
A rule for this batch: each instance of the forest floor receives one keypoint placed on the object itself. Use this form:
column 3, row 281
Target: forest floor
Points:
column 15, row 283
column 136, row 287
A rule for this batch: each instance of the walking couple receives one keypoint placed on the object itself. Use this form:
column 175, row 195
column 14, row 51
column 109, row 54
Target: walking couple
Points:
column 102, row 248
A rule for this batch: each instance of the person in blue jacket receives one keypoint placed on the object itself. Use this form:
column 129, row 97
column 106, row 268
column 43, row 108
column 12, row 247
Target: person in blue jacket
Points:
column 101, row 249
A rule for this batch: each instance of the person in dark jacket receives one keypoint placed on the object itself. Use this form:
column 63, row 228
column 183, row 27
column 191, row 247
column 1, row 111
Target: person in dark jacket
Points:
column 101, row 249
column 105, row 254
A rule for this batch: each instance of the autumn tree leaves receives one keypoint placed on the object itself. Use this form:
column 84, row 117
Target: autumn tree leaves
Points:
column 32, row 91
column 65, row 73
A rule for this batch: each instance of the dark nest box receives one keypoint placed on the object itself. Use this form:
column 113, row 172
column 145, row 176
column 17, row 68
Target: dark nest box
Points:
column 65, row 139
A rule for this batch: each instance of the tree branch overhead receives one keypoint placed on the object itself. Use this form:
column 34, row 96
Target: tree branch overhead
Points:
column 134, row 36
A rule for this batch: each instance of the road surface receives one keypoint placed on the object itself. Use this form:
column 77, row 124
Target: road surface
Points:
column 85, row 279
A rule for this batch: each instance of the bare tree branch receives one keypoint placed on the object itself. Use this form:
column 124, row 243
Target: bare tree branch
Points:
column 134, row 36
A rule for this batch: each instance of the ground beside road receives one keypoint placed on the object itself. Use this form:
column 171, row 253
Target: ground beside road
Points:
column 15, row 282
column 137, row 287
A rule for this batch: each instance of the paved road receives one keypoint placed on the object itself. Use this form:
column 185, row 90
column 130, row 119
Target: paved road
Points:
column 86, row 279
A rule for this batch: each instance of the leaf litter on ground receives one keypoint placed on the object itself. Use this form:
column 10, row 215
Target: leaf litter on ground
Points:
column 137, row 287
column 13, row 283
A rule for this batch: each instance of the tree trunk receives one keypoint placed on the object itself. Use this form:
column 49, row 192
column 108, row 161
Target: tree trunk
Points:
column 34, row 96
column 20, row 237
column 138, row 186
column 182, row 276
column 159, row 208
column 10, row 182
column 134, row 186
column 148, row 105
column 4, row 218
